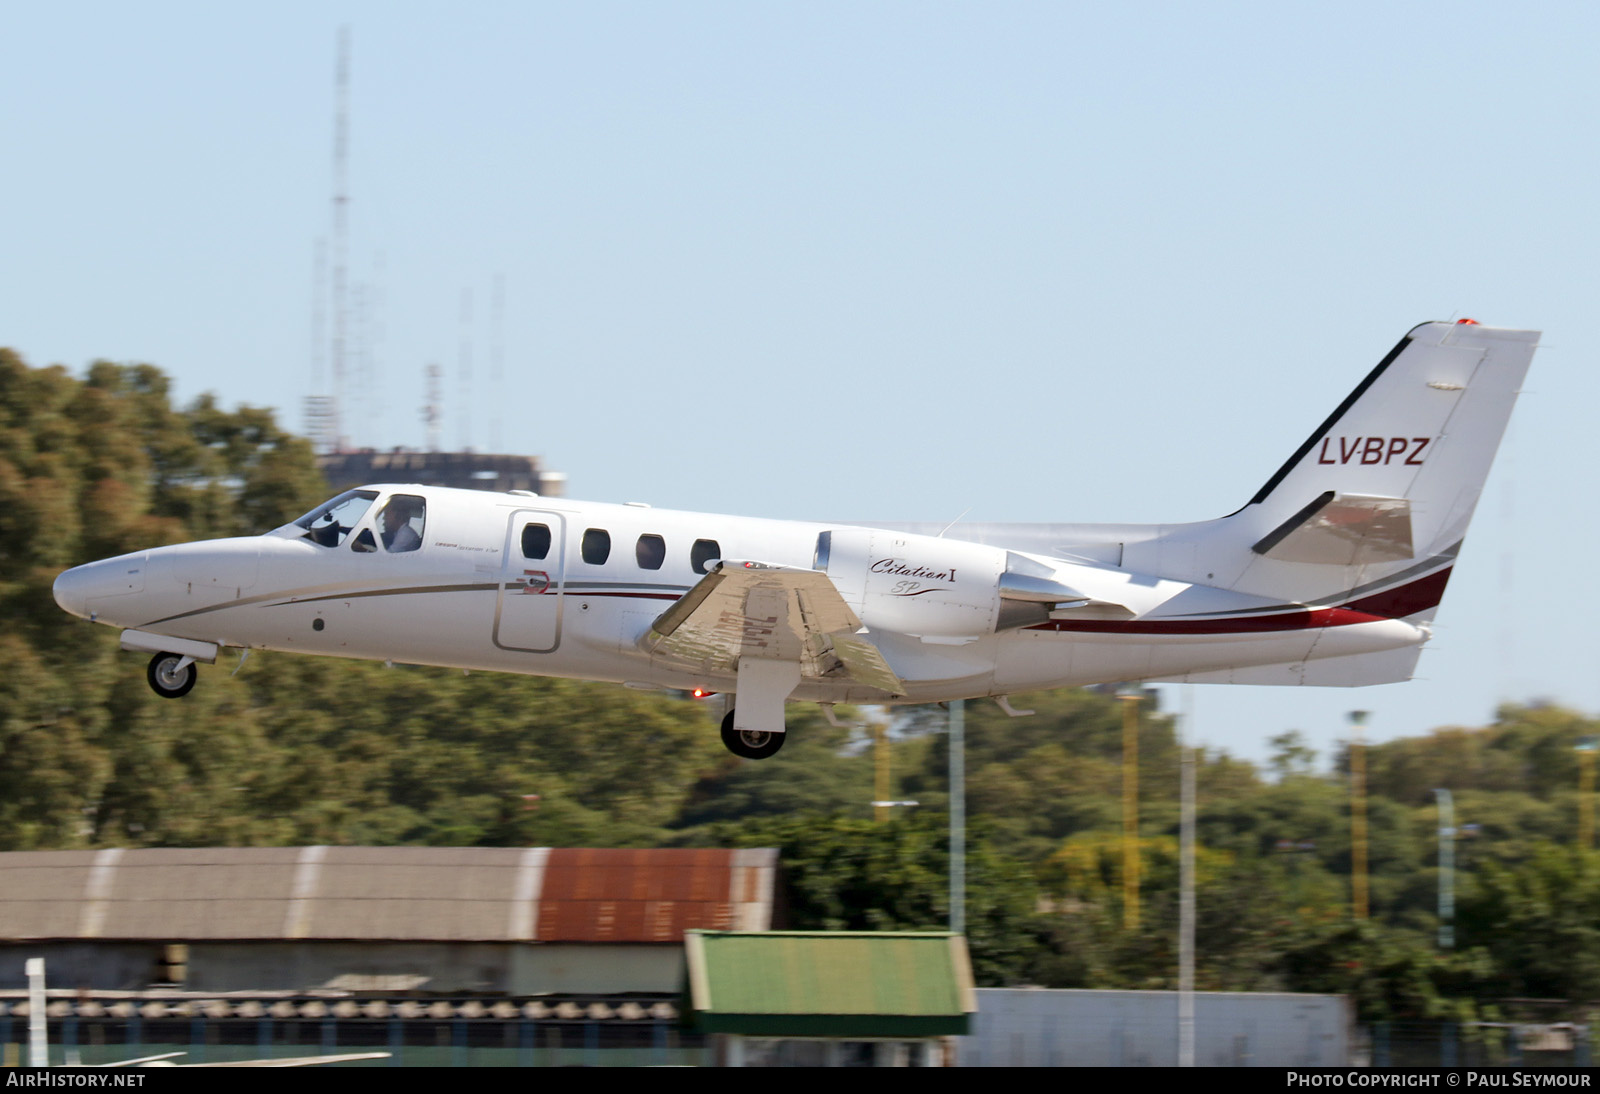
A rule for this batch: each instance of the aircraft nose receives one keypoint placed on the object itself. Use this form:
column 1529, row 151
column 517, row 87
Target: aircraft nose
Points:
column 72, row 591
column 85, row 590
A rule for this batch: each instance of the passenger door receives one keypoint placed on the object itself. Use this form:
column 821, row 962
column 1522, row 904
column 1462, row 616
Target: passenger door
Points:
column 527, row 615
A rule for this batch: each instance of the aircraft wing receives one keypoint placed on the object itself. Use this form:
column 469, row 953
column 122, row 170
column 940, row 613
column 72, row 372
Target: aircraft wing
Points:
column 772, row 612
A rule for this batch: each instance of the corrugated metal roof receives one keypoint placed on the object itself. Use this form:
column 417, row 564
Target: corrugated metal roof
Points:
column 654, row 896
column 383, row 893
column 823, row 982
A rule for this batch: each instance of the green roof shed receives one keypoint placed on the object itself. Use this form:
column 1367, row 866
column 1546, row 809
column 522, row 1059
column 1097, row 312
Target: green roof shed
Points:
column 845, row 984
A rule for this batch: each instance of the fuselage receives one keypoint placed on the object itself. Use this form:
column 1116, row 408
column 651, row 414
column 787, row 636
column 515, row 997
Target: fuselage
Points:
column 558, row 587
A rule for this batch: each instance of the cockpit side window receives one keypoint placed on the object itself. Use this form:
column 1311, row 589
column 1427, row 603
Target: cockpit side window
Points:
column 401, row 523
column 328, row 524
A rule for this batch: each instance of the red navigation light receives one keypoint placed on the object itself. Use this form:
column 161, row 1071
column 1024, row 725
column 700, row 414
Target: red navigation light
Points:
column 1468, row 322
column 701, row 693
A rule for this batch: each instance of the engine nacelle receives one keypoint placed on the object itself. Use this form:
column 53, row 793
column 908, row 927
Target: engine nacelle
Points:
column 917, row 585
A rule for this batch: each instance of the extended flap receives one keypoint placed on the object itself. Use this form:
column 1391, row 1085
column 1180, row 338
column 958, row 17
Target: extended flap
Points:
column 771, row 612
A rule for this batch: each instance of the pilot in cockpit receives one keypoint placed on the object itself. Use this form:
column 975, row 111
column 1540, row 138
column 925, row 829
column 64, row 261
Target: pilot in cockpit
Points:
column 395, row 521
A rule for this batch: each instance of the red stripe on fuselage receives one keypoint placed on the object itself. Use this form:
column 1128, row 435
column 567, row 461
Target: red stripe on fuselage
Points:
column 1309, row 619
column 1397, row 603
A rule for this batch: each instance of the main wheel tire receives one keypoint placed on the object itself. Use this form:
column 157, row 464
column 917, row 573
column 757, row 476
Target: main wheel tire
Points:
column 167, row 679
column 749, row 745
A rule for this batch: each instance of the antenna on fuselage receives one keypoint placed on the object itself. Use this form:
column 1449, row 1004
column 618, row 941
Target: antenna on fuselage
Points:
column 953, row 523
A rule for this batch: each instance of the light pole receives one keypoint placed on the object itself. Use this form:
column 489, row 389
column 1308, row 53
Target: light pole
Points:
column 1358, row 817
column 958, row 817
column 1585, row 748
column 1130, row 697
column 38, row 1037
column 1186, row 886
column 1447, row 869
column 880, row 780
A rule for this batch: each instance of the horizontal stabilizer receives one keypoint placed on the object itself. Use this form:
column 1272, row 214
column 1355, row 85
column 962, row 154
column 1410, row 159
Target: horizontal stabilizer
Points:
column 1343, row 530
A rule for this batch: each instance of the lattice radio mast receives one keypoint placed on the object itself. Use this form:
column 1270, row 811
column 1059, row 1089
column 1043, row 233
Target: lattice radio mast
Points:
column 341, row 233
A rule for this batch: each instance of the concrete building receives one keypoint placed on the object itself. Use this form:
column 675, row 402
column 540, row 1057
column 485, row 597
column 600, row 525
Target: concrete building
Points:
column 1022, row 1027
column 467, row 470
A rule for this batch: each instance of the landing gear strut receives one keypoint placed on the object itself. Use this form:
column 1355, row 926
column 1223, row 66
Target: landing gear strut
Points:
column 171, row 675
column 749, row 744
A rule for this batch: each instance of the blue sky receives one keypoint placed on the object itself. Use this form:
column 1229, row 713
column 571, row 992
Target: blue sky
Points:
column 1061, row 261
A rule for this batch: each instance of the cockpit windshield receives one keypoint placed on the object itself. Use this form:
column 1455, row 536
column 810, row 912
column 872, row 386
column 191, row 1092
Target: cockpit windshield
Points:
column 329, row 523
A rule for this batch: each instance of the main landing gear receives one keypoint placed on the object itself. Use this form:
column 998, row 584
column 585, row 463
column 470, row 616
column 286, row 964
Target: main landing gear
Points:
column 172, row 675
column 749, row 744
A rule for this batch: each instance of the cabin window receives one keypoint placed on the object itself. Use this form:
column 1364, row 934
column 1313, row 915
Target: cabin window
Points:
column 331, row 522
column 400, row 523
column 704, row 551
column 596, row 546
column 651, row 551
column 535, row 540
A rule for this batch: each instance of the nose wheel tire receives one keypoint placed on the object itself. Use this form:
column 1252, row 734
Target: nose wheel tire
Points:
column 749, row 744
column 169, row 676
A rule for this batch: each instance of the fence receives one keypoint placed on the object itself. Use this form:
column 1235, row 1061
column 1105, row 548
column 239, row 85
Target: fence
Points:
column 453, row 1033
column 1479, row 1044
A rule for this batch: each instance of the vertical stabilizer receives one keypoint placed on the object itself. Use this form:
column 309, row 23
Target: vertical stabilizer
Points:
column 1374, row 505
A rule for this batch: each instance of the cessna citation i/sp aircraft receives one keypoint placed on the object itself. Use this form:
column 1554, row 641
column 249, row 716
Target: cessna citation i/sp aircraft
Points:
column 1331, row 574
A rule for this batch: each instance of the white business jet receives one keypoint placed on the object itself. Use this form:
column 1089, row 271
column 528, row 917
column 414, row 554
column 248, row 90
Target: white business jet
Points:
column 1331, row 575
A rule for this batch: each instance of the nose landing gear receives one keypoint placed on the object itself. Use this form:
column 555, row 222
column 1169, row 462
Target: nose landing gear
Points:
column 171, row 675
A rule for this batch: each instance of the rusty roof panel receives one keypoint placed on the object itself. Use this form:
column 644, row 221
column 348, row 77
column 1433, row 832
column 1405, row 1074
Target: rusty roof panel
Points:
column 595, row 895
column 587, row 874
